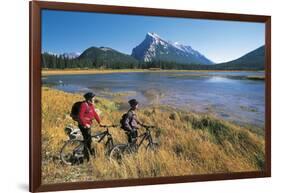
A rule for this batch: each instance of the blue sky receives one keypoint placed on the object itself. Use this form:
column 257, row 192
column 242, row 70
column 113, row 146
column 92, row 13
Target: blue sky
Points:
column 220, row 41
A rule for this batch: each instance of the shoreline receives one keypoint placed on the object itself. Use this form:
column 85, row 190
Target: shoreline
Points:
column 256, row 128
column 47, row 72
column 184, row 138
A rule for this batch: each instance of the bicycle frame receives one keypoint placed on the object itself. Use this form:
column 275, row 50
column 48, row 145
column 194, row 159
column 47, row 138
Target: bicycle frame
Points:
column 145, row 136
column 86, row 151
column 102, row 135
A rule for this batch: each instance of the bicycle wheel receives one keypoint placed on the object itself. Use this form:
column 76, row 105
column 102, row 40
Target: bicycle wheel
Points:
column 108, row 147
column 118, row 151
column 72, row 152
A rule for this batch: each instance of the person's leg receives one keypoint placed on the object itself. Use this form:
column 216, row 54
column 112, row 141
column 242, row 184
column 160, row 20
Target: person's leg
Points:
column 134, row 135
column 132, row 139
column 89, row 140
column 85, row 134
column 129, row 137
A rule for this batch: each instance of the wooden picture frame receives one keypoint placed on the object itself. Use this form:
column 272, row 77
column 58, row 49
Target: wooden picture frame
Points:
column 35, row 94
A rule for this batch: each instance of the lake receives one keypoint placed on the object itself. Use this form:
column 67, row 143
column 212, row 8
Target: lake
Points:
column 228, row 95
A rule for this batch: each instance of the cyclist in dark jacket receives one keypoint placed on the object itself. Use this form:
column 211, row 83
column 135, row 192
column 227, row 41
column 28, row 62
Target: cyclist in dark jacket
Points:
column 131, row 122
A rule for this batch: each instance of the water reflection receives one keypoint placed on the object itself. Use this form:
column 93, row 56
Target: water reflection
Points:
column 229, row 95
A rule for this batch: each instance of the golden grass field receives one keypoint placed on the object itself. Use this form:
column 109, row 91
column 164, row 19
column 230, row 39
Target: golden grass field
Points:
column 189, row 143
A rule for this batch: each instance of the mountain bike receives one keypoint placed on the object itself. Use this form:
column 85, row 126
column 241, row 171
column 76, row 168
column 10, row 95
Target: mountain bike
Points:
column 119, row 150
column 75, row 150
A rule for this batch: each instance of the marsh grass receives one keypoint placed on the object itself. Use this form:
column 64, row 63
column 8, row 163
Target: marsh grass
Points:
column 190, row 143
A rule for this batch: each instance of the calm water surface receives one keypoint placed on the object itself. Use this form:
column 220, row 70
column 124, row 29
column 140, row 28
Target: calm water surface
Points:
column 228, row 95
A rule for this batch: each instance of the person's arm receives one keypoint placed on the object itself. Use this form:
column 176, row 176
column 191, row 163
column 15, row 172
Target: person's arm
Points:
column 127, row 121
column 137, row 120
column 96, row 116
column 82, row 111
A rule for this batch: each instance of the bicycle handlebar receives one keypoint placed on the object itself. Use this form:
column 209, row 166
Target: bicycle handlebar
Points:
column 145, row 126
column 148, row 126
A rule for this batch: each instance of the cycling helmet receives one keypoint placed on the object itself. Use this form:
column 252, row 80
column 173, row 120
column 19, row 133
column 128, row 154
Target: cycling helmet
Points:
column 133, row 102
column 89, row 95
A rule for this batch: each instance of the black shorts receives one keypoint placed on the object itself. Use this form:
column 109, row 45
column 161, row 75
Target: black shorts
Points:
column 132, row 135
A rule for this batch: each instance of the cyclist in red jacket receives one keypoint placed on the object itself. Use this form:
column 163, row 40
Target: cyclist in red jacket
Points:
column 86, row 115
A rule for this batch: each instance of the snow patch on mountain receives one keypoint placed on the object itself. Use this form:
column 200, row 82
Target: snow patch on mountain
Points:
column 71, row 55
column 154, row 47
column 51, row 53
column 105, row 49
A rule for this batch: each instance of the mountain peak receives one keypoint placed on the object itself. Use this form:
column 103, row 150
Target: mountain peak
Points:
column 253, row 60
column 153, row 47
column 153, row 35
